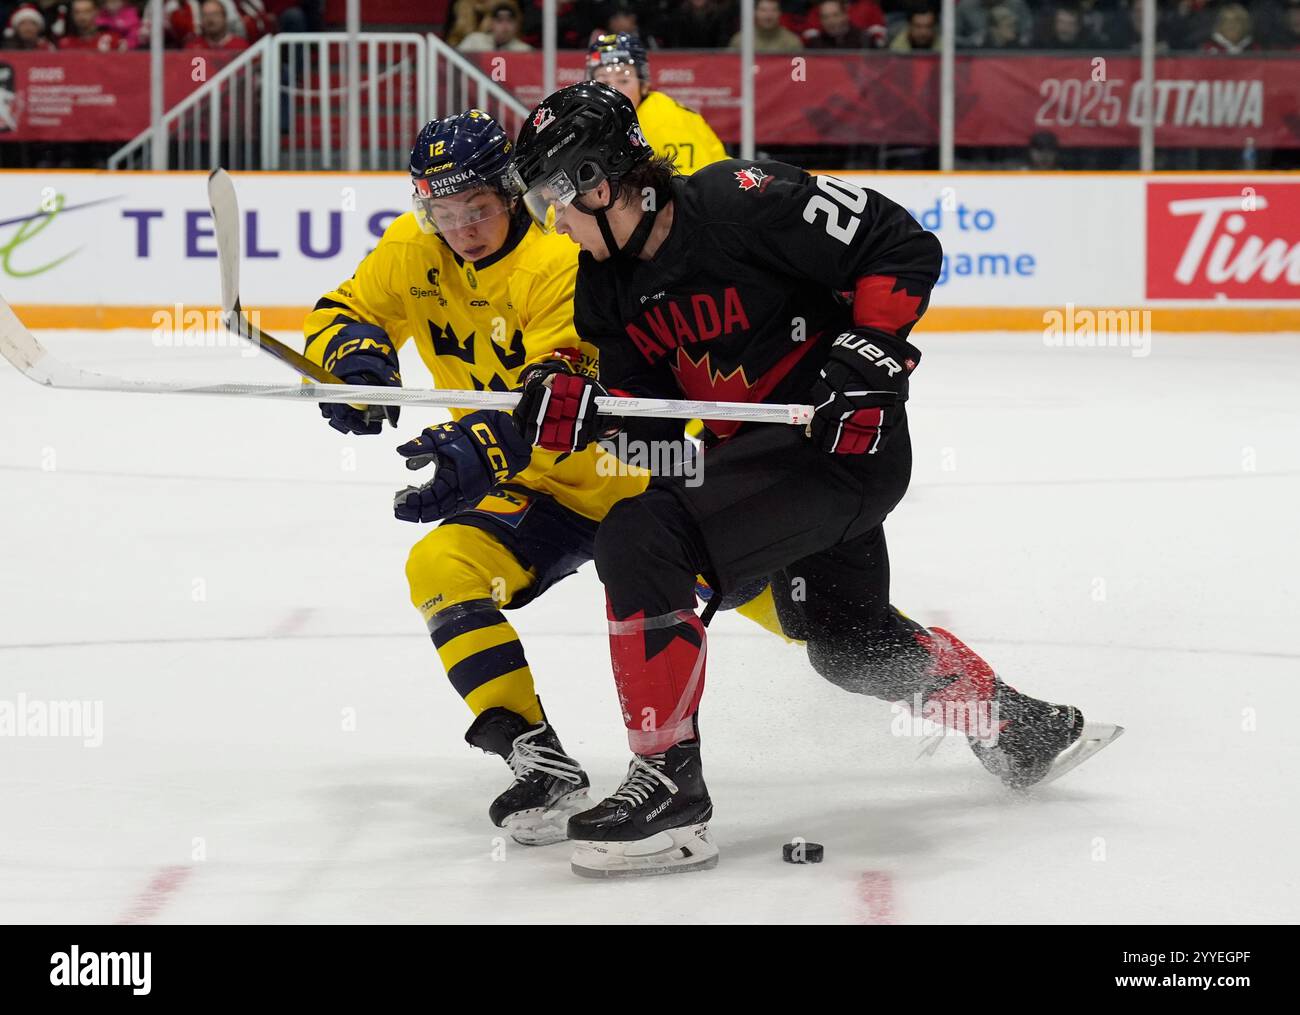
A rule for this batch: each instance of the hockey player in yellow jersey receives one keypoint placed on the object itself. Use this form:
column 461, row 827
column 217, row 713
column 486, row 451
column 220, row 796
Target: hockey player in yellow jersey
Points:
column 486, row 297
column 672, row 129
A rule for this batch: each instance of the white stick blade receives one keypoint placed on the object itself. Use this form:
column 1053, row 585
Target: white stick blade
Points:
column 225, row 220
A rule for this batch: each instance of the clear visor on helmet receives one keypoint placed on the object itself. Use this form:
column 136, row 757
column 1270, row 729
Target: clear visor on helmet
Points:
column 546, row 200
column 613, row 72
column 454, row 211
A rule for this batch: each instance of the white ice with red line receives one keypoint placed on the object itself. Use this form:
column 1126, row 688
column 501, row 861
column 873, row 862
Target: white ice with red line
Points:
column 226, row 578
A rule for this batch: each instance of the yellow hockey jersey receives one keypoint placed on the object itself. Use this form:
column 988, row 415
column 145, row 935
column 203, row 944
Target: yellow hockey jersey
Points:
column 676, row 130
column 476, row 325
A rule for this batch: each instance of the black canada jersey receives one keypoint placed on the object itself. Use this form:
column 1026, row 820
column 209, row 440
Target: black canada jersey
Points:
column 763, row 267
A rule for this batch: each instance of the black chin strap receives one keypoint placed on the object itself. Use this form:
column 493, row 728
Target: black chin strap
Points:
column 635, row 242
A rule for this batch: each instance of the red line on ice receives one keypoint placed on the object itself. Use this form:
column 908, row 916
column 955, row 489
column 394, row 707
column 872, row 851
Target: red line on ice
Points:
column 876, row 895
column 166, row 882
column 293, row 622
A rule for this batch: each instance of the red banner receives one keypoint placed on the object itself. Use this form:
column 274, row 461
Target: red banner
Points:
column 90, row 96
column 880, row 98
column 1223, row 240
column 1199, row 102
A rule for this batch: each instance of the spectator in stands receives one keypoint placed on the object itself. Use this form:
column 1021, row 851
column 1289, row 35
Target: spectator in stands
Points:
column 123, row 18
column 26, row 30
column 921, row 32
column 1003, row 30
column 502, row 35
column 972, row 26
column 1289, row 38
column 469, row 16
column 1044, row 153
column 215, row 30
column 1191, row 23
column 1232, row 32
column 296, row 15
column 84, row 33
column 864, row 14
column 1100, row 20
column 769, row 34
column 1064, row 30
column 838, row 32
column 623, row 18
column 1126, row 30
column 699, row 24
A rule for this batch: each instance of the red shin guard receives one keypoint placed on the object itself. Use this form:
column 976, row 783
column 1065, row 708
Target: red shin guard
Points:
column 659, row 672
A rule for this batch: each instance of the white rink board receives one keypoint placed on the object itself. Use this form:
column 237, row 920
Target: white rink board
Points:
column 145, row 239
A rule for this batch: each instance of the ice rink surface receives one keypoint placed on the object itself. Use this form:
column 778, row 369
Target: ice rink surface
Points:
column 279, row 742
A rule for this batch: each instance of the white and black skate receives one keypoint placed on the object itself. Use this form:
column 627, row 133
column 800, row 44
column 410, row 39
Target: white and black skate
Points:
column 1039, row 741
column 549, row 785
column 655, row 823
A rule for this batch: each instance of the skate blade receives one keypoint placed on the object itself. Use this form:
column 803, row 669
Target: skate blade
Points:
column 547, row 826
column 1095, row 737
column 676, row 851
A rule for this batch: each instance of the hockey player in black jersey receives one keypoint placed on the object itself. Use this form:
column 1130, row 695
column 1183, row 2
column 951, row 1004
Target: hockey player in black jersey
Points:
column 749, row 281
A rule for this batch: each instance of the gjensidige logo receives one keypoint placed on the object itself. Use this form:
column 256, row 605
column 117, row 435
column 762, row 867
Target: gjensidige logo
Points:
column 75, row 968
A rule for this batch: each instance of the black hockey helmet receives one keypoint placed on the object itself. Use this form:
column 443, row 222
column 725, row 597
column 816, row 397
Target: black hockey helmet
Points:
column 577, row 138
column 466, row 151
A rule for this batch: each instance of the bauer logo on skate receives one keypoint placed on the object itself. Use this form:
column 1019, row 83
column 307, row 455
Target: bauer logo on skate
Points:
column 1223, row 241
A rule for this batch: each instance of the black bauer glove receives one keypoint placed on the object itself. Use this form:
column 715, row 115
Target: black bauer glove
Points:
column 557, row 407
column 859, row 392
column 471, row 456
column 361, row 354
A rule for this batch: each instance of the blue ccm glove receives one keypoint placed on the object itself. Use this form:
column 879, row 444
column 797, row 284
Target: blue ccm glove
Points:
column 471, row 456
column 361, row 354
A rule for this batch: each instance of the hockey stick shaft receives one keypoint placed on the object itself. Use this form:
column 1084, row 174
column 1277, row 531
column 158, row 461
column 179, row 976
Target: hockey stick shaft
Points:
column 21, row 348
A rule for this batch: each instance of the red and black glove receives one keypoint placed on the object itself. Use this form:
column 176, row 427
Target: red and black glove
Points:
column 860, row 391
column 557, row 408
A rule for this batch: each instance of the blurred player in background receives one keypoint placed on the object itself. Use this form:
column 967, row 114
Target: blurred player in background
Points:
column 672, row 129
column 488, row 298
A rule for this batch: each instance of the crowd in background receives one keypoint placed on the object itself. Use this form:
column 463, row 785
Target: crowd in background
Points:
column 1214, row 26
column 1218, row 26
column 110, row 26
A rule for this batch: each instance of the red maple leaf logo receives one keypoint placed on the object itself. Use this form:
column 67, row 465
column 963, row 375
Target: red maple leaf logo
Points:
column 880, row 301
column 750, row 178
column 700, row 380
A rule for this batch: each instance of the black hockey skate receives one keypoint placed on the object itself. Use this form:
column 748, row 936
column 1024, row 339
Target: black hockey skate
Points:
column 655, row 823
column 1038, row 741
column 549, row 785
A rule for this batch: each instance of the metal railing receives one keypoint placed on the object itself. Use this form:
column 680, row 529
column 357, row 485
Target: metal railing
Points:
column 221, row 123
column 456, row 83
column 312, row 103
column 286, row 103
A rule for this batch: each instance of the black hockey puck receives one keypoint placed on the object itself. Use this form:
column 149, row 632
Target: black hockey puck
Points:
column 802, row 852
